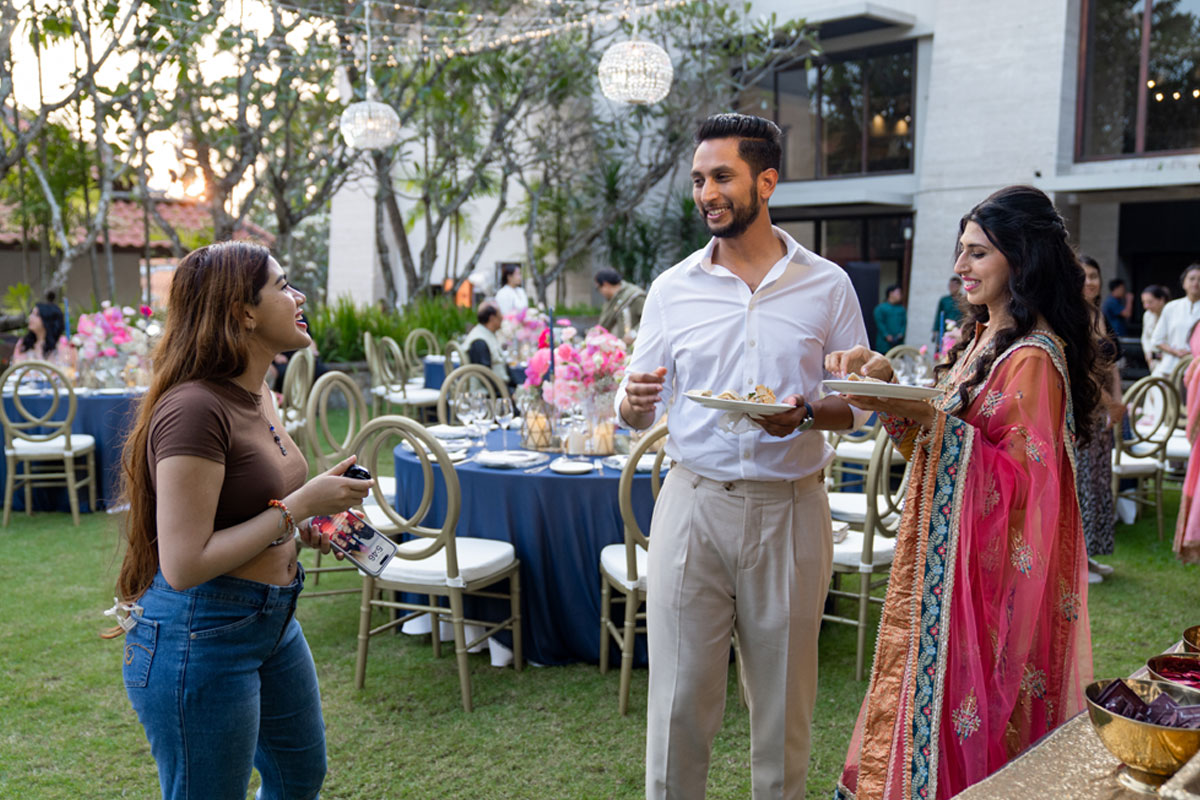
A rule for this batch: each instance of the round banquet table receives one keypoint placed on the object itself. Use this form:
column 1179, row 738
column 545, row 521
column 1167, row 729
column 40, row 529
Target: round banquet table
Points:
column 104, row 415
column 557, row 524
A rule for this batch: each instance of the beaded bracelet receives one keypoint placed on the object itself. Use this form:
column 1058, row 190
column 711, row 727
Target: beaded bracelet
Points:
column 285, row 519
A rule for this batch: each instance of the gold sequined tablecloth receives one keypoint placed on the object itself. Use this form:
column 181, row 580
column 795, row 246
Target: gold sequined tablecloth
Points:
column 1070, row 763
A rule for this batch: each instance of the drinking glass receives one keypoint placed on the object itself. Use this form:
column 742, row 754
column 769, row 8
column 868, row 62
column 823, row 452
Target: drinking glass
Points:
column 502, row 411
column 464, row 409
column 481, row 412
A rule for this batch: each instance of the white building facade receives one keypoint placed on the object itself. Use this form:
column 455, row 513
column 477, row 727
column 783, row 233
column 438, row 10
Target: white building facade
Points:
column 918, row 109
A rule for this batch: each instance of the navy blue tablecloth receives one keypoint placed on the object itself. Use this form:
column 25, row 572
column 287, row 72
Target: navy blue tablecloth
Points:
column 107, row 417
column 558, row 524
column 435, row 373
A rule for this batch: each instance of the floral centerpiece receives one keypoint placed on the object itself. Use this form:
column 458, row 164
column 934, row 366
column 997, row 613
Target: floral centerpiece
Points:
column 114, row 346
column 583, row 385
column 522, row 329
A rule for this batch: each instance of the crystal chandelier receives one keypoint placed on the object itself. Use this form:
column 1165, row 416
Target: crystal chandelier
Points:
column 635, row 71
column 370, row 124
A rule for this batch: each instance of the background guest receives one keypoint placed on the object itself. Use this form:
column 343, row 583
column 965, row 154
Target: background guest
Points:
column 623, row 303
column 1154, row 297
column 891, row 319
column 1170, row 339
column 482, row 345
column 511, row 295
column 1093, row 461
column 45, row 340
column 1118, row 307
column 948, row 309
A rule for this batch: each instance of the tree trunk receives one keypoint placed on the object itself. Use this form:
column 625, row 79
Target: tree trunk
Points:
column 385, row 256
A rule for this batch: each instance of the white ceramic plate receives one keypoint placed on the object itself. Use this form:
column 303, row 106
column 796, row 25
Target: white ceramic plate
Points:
column 448, row 431
column 890, row 390
column 509, row 459
column 744, row 406
column 645, row 463
column 568, row 466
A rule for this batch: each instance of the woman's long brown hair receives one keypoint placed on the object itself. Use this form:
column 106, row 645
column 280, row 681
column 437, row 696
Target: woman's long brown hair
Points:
column 205, row 338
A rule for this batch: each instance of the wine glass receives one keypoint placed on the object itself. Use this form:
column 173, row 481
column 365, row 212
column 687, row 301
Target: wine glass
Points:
column 502, row 411
column 464, row 409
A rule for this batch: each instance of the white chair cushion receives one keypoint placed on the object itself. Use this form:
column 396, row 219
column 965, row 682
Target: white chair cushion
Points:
column 80, row 443
column 612, row 561
column 852, row 507
column 848, row 552
column 477, row 558
column 1178, row 448
column 1133, row 467
column 414, row 397
column 860, row 452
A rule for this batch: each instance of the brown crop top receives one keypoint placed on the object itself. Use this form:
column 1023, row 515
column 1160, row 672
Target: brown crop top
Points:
column 223, row 422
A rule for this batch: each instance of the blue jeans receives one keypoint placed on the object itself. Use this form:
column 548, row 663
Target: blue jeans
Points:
column 222, row 680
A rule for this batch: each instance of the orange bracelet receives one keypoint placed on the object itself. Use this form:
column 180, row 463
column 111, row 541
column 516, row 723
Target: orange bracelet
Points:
column 285, row 519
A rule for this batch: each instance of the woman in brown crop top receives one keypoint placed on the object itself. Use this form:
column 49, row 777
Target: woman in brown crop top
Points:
column 215, row 663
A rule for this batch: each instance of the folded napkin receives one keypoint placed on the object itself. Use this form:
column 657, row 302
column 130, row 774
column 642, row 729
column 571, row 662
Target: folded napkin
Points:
column 448, row 431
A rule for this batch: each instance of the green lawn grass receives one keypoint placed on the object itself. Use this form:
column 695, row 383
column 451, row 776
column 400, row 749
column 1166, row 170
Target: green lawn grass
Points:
column 67, row 730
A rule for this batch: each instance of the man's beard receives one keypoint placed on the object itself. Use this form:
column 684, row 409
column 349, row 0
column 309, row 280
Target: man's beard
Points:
column 742, row 217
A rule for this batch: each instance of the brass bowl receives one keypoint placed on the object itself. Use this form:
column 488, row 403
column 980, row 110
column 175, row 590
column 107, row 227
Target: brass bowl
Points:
column 1157, row 663
column 1151, row 753
column 1191, row 639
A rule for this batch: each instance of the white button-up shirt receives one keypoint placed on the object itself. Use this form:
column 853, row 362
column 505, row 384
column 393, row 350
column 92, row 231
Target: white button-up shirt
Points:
column 703, row 324
column 1174, row 326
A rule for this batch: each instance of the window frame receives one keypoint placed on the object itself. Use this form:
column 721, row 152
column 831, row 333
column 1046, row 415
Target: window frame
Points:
column 1143, row 111
column 863, row 54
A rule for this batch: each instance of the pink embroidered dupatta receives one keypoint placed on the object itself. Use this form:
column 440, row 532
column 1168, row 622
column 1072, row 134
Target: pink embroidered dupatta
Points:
column 1187, row 525
column 984, row 643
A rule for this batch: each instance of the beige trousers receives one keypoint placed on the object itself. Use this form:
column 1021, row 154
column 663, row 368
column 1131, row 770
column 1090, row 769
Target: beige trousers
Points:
column 753, row 555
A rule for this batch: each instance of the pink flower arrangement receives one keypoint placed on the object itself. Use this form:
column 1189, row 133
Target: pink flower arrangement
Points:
column 594, row 367
column 523, row 326
column 114, row 331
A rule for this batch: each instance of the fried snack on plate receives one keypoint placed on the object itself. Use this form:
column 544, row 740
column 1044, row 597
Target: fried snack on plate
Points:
column 762, row 394
column 864, row 378
column 729, row 394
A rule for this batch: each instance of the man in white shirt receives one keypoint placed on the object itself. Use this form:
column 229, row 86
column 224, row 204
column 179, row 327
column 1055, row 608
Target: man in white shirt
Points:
column 740, row 536
column 511, row 296
column 1175, row 324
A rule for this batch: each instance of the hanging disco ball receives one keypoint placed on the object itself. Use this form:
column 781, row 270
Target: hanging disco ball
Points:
column 370, row 125
column 635, row 72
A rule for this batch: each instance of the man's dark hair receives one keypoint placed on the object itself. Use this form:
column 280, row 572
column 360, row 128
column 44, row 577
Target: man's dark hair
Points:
column 759, row 140
column 892, row 288
column 956, row 279
column 486, row 312
column 1115, row 282
column 609, row 276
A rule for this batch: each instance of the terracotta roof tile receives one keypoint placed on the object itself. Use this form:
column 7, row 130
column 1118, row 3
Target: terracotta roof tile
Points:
column 189, row 218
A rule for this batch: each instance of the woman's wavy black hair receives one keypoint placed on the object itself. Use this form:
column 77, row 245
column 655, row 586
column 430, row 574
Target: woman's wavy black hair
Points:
column 54, row 324
column 1044, row 278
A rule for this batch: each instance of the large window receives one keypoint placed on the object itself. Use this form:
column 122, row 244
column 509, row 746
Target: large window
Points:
column 849, row 114
column 1140, row 78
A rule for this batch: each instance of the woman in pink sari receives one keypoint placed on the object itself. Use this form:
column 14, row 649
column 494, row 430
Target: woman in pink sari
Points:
column 984, row 644
column 1187, row 526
